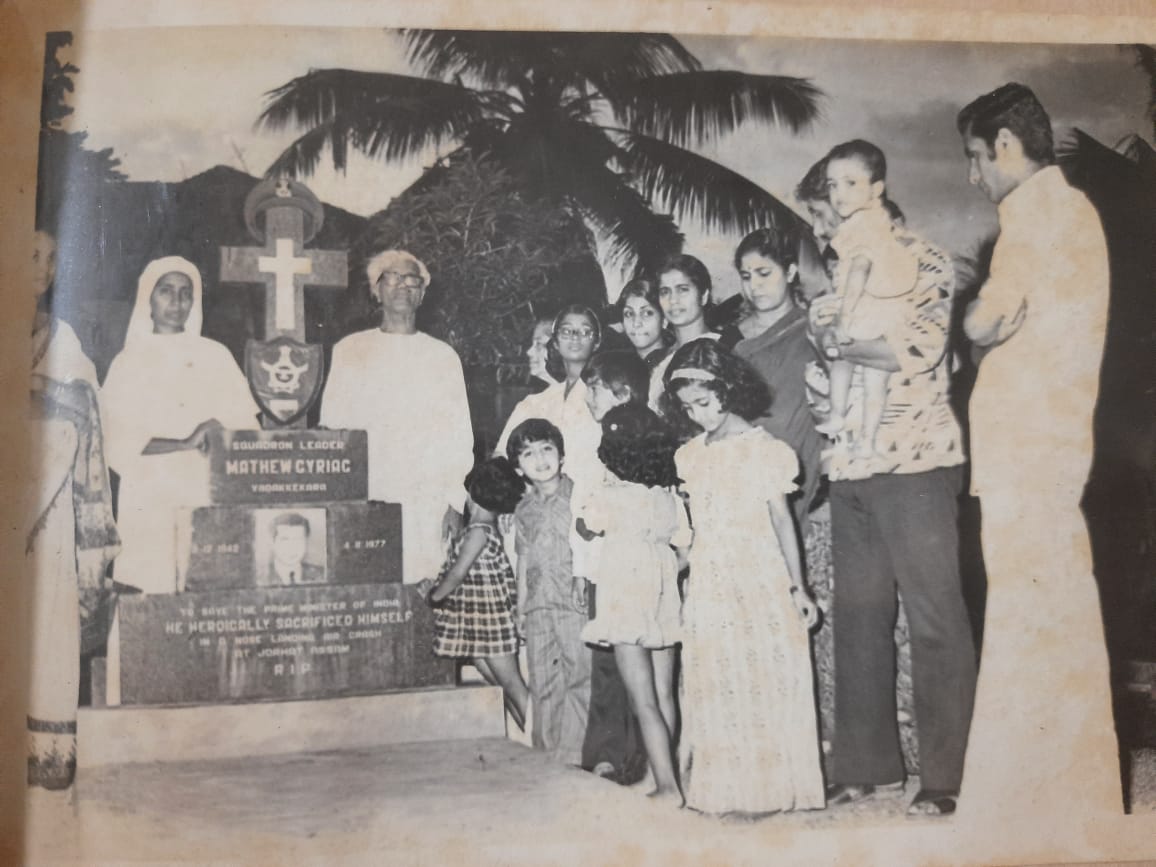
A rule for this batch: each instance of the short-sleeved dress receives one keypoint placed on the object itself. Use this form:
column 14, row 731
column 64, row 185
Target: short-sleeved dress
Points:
column 637, row 599
column 750, row 740
column 477, row 619
column 894, row 270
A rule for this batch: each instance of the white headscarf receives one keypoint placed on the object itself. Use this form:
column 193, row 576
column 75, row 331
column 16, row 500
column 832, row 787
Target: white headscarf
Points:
column 140, row 323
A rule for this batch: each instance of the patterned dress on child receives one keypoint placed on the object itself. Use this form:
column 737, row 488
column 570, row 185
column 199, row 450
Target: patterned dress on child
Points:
column 637, row 599
column 750, row 739
column 477, row 619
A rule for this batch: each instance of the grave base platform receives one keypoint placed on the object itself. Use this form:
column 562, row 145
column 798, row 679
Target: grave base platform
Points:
column 121, row 735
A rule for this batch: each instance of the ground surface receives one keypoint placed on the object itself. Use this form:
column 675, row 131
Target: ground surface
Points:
column 460, row 802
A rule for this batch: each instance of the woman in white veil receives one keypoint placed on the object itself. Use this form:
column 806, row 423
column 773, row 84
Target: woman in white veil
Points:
column 165, row 392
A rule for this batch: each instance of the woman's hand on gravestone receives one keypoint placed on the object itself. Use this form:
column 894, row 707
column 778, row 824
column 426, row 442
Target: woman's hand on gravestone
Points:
column 199, row 438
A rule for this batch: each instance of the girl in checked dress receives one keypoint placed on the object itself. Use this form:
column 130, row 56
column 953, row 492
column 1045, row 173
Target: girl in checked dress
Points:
column 474, row 597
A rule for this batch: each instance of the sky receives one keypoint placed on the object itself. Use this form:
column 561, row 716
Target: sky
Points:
column 175, row 102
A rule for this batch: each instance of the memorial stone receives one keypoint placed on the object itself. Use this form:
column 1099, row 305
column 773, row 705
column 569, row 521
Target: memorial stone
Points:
column 277, row 643
column 292, row 579
column 289, row 466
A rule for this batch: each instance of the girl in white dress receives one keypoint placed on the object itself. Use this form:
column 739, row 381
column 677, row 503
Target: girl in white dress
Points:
column 642, row 522
column 750, row 741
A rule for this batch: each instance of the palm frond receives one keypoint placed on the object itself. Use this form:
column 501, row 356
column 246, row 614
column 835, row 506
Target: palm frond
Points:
column 493, row 58
column 301, row 158
column 698, row 188
column 691, row 108
column 606, row 198
column 635, row 234
column 610, row 61
column 380, row 114
column 502, row 58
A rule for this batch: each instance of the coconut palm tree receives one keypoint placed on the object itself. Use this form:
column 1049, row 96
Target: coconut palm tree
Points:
column 602, row 124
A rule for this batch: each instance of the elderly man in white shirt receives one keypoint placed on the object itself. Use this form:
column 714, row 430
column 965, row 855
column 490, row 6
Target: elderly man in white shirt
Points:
column 1041, row 318
column 408, row 391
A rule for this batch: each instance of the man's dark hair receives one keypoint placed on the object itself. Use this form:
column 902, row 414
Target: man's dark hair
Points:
column 813, row 186
column 289, row 519
column 1015, row 108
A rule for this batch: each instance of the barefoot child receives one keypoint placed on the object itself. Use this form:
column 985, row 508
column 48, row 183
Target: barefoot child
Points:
column 750, row 741
column 614, row 745
column 474, row 598
column 551, row 603
column 639, row 518
column 873, row 272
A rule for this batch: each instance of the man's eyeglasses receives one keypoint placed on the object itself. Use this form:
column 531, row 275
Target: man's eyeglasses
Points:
column 568, row 333
column 410, row 281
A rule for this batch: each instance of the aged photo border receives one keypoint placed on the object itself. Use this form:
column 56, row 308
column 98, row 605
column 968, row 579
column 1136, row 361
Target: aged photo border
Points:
column 24, row 25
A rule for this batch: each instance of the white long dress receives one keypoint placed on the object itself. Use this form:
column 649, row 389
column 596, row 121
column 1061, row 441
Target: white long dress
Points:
column 750, row 740
column 164, row 385
column 409, row 393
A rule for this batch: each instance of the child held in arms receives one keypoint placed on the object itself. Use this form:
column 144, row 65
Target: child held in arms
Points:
column 474, row 597
column 551, row 608
column 874, row 271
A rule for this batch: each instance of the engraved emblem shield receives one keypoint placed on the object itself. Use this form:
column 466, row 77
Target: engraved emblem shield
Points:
column 285, row 377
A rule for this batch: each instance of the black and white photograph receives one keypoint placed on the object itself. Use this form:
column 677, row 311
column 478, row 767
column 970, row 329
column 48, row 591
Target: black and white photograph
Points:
column 289, row 547
column 558, row 446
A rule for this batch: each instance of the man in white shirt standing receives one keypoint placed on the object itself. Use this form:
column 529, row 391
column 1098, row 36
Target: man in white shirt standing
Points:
column 407, row 389
column 1042, row 742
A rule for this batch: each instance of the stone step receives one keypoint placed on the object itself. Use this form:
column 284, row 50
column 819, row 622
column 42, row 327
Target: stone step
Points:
column 121, row 735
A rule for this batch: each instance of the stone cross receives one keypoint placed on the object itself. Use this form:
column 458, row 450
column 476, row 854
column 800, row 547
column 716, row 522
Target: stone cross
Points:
column 286, row 268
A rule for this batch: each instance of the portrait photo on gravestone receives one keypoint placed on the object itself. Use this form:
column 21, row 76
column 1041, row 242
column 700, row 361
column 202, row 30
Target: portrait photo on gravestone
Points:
column 764, row 425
